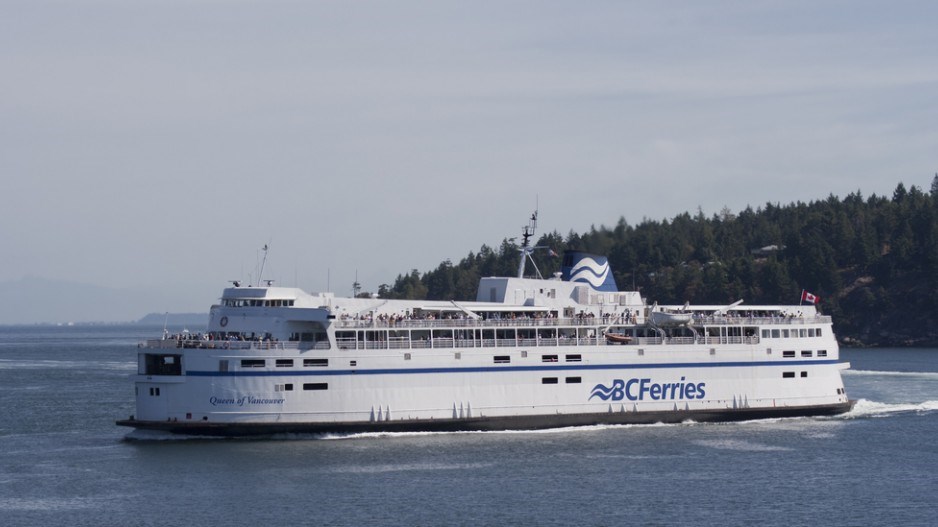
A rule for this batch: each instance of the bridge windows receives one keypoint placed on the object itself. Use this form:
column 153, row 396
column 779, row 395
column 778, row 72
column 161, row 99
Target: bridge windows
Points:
column 161, row 364
column 258, row 302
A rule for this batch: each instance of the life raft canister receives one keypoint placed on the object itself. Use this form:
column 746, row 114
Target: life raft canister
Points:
column 223, row 322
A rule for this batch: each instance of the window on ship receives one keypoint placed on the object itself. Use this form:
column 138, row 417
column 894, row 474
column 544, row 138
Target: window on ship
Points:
column 162, row 364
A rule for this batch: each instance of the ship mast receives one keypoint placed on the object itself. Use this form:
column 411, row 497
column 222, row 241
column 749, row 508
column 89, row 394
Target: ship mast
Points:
column 526, row 250
column 260, row 274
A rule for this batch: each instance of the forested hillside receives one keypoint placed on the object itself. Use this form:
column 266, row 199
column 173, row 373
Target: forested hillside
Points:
column 872, row 261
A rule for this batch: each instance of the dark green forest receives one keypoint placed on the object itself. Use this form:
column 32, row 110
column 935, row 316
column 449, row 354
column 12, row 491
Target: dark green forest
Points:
column 872, row 261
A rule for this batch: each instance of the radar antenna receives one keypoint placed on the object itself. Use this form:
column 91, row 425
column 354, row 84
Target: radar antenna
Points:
column 356, row 286
column 526, row 250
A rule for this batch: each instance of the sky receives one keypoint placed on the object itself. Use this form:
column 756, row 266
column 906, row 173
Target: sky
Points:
column 158, row 145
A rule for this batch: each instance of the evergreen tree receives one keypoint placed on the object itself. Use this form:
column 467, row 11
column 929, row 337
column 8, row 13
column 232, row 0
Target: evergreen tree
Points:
column 863, row 256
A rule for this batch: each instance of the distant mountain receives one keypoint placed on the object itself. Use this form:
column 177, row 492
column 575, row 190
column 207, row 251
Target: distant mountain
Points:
column 33, row 299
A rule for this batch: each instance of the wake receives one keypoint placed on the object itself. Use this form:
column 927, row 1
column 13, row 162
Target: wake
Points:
column 866, row 408
column 930, row 375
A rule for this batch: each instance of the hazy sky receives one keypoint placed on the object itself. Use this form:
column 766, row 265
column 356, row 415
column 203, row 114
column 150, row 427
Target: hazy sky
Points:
column 160, row 144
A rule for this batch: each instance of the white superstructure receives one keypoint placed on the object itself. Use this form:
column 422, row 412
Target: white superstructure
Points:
column 527, row 353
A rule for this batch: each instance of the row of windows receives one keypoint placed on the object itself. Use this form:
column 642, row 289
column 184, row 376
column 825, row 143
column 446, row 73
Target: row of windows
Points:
column 284, row 363
column 321, row 363
column 498, row 359
column 792, row 333
column 555, row 380
column 308, row 386
column 573, row 357
column 244, row 302
column 804, row 353
column 791, row 374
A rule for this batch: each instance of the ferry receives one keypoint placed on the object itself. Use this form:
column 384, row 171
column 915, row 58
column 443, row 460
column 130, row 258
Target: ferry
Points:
column 528, row 353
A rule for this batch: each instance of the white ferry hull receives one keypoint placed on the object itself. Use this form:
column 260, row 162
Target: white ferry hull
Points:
column 527, row 354
column 434, row 390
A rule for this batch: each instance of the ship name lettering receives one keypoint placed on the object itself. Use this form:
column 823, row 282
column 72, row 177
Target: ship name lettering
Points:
column 215, row 401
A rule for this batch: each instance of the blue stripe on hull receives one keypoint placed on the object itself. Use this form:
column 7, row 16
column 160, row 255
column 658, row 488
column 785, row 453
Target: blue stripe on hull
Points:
column 493, row 369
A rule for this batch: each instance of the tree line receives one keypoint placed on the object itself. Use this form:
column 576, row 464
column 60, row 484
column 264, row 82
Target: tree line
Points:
column 872, row 261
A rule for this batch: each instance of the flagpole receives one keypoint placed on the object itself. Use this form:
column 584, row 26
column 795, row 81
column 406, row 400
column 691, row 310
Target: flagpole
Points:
column 800, row 302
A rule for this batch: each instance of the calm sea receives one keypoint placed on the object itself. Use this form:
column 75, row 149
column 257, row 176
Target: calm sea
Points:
column 64, row 462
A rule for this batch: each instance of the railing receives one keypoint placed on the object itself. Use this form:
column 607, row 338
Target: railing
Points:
column 443, row 343
column 574, row 321
column 448, row 343
column 762, row 321
column 490, row 323
column 233, row 344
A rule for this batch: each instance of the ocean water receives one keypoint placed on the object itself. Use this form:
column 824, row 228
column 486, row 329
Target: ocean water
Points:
column 64, row 462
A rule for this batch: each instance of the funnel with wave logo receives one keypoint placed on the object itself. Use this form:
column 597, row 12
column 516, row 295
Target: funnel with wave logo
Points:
column 588, row 268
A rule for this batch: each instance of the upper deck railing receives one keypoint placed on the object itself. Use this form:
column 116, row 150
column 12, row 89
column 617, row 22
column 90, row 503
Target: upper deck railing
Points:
column 232, row 344
column 574, row 321
column 384, row 341
column 441, row 343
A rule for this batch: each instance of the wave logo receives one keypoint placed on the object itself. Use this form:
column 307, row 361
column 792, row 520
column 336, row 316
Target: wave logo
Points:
column 616, row 392
column 594, row 270
column 589, row 270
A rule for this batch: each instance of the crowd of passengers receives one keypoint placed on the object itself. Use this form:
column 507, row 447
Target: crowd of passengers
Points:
column 751, row 314
column 394, row 318
column 186, row 336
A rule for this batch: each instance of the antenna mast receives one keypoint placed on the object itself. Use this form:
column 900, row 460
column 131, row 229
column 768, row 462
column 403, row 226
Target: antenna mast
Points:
column 260, row 275
column 526, row 250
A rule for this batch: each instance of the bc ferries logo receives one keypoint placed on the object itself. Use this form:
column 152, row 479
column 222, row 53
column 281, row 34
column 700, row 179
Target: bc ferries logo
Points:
column 644, row 389
column 593, row 270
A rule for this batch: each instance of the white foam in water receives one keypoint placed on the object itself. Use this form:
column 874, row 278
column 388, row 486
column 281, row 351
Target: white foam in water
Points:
column 160, row 435
column 47, row 504
column 561, row 430
column 406, row 467
column 867, row 408
column 740, row 445
column 907, row 374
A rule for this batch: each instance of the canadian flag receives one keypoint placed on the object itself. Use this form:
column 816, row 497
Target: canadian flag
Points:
column 809, row 297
